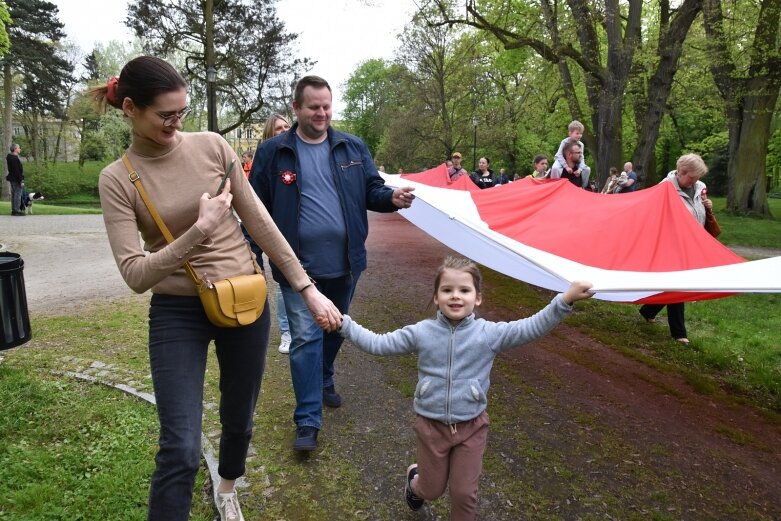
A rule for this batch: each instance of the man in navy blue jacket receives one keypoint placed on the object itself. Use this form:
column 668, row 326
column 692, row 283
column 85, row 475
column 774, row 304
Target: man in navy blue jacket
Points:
column 317, row 184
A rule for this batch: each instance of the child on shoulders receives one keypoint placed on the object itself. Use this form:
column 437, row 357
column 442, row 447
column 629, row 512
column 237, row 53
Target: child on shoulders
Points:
column 575, row 132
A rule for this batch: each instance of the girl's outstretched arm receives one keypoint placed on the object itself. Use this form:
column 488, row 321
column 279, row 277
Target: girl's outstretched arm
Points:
column 401, row 341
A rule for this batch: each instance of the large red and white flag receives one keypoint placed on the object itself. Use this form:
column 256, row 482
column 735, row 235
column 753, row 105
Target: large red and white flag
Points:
column 641, row 247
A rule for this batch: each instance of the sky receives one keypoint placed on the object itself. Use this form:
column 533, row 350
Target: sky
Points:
column 337, row 34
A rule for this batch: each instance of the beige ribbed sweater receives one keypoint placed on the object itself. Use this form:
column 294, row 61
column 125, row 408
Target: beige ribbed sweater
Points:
column 175, row 182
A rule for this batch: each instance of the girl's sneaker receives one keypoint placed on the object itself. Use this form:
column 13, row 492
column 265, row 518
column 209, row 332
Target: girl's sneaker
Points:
column 413, row 501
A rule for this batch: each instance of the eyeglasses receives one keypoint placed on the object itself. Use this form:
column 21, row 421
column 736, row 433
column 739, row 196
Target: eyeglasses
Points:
column 169, row 119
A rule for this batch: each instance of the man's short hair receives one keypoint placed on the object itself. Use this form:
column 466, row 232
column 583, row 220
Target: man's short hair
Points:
column 14, row 146
column 456, row 154
column 568, row 146
column 576, row 125
column 308, row 81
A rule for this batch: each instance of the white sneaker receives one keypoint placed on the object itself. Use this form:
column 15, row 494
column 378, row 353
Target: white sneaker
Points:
column 228, row 507
column 284, row 342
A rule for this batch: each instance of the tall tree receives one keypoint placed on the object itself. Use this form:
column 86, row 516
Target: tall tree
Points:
column 747, row 70
column 369, row 93
column 36, row 63
column 252, row 49
column 550, row 30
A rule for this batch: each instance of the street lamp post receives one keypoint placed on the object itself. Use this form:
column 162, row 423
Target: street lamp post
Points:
column 211, row 98
column 474, row 145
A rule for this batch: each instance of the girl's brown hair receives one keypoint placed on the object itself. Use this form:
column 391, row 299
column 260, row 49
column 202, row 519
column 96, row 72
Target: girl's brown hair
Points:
column 459, row 264
column 142, row 79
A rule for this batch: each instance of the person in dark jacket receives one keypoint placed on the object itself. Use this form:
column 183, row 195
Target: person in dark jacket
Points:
column 483, row 177
column 16, row 178
column 317, row 184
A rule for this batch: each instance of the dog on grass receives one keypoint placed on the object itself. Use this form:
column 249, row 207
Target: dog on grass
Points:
column 28, row 198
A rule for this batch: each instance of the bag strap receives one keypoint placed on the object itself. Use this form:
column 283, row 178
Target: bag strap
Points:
column 136, row 180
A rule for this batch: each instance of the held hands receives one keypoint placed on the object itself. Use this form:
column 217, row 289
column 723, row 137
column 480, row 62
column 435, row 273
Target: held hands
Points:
column 578, row 290
column 402, row 197
column 325, row 313
column 212, row 210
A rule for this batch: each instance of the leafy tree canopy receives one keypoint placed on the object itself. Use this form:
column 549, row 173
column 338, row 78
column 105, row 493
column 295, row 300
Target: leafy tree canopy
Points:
column 253, row 51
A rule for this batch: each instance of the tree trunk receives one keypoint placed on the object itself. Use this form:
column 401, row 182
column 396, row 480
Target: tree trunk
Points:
column 609, row 136
column 749, row 142
column 34, row 133
column 750, row 101
column 8, row 118
column 669, row 52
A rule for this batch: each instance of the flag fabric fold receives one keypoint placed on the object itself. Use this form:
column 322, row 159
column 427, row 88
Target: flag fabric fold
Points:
column 641, row 247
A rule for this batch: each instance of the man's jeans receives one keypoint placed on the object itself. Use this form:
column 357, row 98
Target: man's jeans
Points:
column 179, row 337
column 313, row 351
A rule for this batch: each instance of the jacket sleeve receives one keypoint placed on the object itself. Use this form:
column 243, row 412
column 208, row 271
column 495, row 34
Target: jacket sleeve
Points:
column 399, row 342
column 379, row 198
column 559, row 156
column 525, row 330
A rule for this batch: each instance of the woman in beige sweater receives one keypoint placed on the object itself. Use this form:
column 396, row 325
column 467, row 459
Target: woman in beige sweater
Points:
column 180, row 171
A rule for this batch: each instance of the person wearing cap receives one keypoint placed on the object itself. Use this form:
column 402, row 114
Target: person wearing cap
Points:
column 456, row 170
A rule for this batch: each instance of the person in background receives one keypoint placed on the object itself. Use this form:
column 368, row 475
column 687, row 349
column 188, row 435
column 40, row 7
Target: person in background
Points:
column 456, row 170
column 318, row 183
column 612, row 181
column 574, row 132
column 628, row 180
column 455, row 352
column 180, row 172
column 540, row 166
column 381, row 169
column 275, row 125
column 16, row 178
column 246, row 162
column 483, row 177
column 569, row 169
column 503, row 178
column 690, row 168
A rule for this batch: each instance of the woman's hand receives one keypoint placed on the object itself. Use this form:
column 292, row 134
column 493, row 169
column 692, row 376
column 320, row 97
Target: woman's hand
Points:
column 325, row 313
column 213, row 210
column 578, row 290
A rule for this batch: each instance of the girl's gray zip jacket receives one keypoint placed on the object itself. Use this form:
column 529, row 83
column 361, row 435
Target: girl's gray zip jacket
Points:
column 454, row 361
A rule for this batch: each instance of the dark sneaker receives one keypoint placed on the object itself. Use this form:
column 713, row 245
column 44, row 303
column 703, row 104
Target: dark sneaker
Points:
column 306, row 438
column 413, row 501
column 331, row 398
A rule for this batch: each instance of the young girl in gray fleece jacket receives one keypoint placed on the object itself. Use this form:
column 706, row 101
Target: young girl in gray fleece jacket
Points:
column 455, row 355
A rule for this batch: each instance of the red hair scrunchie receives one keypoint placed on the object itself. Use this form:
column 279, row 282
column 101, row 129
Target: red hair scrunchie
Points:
column 111, row 92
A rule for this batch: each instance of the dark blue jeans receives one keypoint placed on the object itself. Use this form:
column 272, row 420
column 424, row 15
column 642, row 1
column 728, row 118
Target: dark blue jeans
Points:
column 312, row 351
column 179, row 337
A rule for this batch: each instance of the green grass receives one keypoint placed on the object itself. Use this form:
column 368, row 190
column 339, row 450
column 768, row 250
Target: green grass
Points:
column 42, row 208
column 72, row 450
column 749, row 231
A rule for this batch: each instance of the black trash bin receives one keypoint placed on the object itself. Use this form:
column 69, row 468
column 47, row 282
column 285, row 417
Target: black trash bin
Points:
column 14, row 320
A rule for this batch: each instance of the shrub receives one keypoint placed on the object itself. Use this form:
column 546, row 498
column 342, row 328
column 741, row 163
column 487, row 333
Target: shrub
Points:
column 62, row 180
